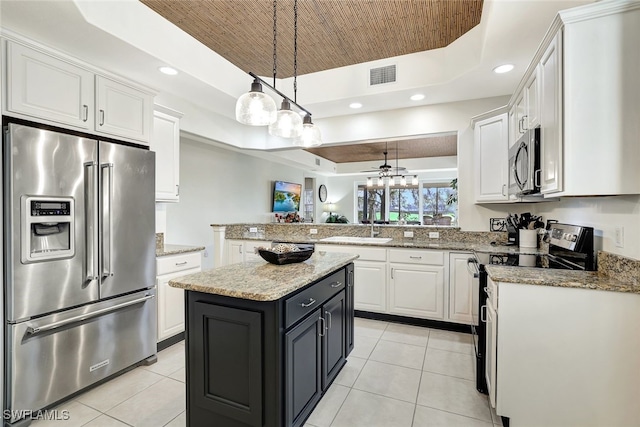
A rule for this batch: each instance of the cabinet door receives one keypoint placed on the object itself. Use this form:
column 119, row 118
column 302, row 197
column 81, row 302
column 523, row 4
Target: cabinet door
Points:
column 333, row 343
column 532, row 100
column 551, row 145
column 45, row 87
column 521, row 113
column 370, row 292
column 491, row 354
column 303, row 364
column 417, row 291
column 349, row 326
column 166, row 144
column 235, row 251
column 491, row 159
column 461, row 289
column 123, row 111
column 171, row 305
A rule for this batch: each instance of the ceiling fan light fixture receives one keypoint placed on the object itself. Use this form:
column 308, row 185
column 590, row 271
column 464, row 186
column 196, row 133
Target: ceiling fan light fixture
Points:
column 380, row 182
column 255, row 108
column 288, row 124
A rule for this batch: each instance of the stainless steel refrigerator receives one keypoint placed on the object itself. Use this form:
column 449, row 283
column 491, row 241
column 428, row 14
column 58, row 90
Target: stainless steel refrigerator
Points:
column 79, row 264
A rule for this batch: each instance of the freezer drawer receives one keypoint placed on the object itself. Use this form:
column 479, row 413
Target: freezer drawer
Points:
column 55, row 356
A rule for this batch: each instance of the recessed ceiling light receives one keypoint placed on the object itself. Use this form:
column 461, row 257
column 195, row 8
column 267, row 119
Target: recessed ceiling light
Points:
column 417, row 97
column 168, row 71
column 355, row 105
column 503, row 68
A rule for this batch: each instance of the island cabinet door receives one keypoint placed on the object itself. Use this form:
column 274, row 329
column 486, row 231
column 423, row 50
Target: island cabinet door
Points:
column 333, row 342
column 350, row 301
column 225, row 367
column 303, row 383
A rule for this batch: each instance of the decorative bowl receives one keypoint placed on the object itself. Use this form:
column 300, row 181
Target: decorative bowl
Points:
column 286, row 257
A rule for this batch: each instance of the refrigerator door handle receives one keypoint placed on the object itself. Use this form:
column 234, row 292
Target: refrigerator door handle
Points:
column 107, row 221
column 55, row 325
column 91, row 203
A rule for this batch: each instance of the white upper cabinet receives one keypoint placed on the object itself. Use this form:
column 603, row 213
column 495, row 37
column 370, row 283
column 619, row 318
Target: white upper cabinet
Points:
column 551, row 116
column 123, row 111
column 41, row 85
column 48, row 87
column 531, row 118
column 166, row 143
column 491, row 141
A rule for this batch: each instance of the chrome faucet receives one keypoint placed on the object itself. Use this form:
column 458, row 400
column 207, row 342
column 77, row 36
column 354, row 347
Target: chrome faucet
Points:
column 374, row 233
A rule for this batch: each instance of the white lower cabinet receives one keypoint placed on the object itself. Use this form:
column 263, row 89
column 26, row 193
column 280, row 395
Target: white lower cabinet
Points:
column 416, row 283
column 370, row 272
column 171, row 300
column 564, row 356
column 416, row 291
column 370, row 292
column 244, row 250
column 463, row 296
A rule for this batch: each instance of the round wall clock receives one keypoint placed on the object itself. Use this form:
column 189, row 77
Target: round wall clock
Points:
column 322, row 193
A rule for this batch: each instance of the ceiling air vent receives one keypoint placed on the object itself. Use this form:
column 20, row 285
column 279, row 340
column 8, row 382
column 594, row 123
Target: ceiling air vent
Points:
column 317, row 161
column 382, row 75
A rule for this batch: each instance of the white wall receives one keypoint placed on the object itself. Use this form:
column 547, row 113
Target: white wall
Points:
column 604, row 214
column 219, row 186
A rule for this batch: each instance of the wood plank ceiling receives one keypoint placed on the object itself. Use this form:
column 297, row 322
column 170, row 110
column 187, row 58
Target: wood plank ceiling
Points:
column 331, row 33
column 426, row 146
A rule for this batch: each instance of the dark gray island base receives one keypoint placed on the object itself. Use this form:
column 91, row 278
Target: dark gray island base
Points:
column 261, row 361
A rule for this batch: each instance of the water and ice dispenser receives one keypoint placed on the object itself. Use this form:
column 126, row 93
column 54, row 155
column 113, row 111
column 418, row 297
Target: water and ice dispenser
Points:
column 47, row 228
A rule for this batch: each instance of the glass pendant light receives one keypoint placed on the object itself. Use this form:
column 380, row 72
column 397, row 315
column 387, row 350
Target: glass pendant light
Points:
column 369, row 182
column 414, row 180
column 392, row 181
column 255, row 108
column 310, row 136
column 403, row 180
column 380, row 182
column 288, row 124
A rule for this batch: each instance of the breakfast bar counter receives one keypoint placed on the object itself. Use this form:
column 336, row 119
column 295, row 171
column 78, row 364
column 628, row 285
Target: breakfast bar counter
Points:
column 264, row 342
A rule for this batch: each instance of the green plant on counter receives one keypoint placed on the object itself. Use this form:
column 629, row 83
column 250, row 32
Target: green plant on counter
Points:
column 335, row 218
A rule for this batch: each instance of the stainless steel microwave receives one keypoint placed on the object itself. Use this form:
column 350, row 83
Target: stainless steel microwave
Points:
column 524, row 164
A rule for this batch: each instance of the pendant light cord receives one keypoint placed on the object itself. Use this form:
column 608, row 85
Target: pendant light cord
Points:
column 275, row 26
column 295, row 50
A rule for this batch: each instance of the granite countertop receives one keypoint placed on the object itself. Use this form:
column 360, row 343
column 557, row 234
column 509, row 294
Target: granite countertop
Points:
column 417, row 244
column 560, row 278
column 177, row 249
column 261, row 281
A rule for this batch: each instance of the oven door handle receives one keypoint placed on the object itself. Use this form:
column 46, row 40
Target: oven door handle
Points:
column 31, row 330
column 472, row 267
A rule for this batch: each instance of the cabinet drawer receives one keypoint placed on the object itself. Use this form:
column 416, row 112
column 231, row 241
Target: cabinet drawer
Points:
column 173, row 263
column 299, row 305
column 416, row 257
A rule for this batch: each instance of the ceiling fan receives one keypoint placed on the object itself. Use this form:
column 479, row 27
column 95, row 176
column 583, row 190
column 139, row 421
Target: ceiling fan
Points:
column 388, row 173
column 386, row 169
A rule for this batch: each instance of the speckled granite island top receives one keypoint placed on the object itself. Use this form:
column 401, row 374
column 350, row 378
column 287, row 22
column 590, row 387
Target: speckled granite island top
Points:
column 177, row 249
column 261, row 281
column 560, row 278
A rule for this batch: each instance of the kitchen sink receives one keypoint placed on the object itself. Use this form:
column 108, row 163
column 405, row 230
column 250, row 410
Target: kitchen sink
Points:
column 352, row 239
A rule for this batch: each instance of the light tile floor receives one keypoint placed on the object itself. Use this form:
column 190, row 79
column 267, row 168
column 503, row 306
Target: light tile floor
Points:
column 396, row 376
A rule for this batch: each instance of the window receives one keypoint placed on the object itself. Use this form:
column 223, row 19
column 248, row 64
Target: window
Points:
column 427, row 203
column 438, row 204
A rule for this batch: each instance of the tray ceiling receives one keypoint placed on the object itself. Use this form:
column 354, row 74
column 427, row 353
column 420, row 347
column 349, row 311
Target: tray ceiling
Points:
column 331, row 33
column 415, row 148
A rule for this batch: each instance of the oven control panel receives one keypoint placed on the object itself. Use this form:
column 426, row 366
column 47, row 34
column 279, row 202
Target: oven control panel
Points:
column 564, row 235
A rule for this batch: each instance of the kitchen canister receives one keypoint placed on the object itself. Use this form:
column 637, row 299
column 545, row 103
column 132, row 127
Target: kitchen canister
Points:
column 528, row 238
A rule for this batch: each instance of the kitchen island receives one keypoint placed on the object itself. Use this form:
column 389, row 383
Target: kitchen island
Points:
column 263, row 341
